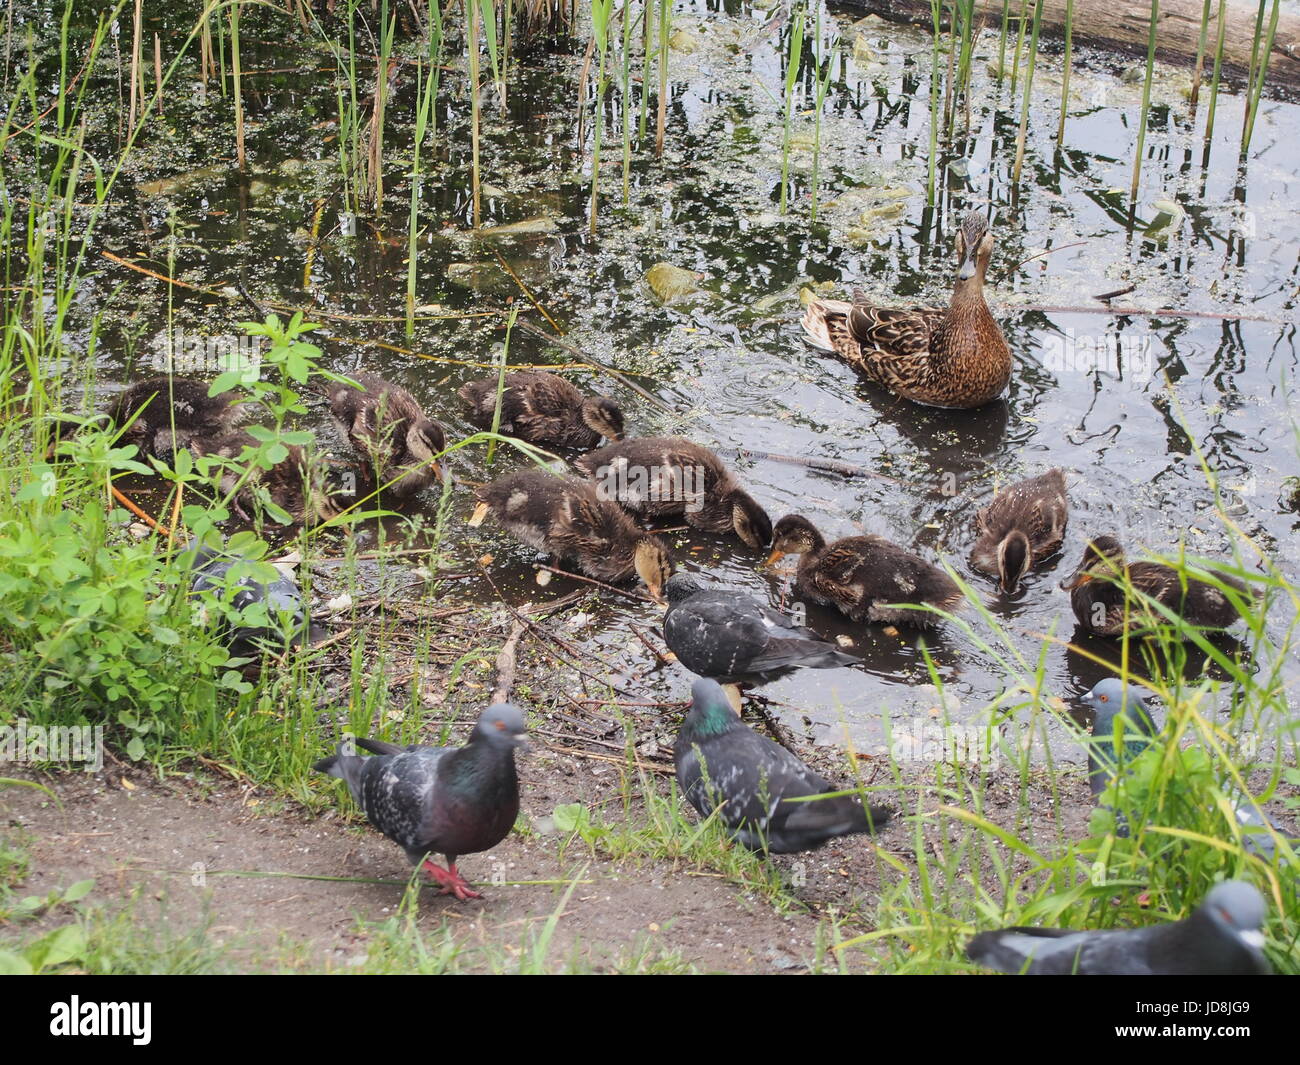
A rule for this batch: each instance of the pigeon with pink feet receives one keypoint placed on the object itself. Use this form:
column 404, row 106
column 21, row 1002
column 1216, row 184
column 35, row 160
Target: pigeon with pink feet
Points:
column 446, row 800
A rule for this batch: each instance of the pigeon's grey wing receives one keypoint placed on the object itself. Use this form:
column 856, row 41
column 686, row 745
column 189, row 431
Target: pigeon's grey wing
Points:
column 1033, row 951
column 398, row 794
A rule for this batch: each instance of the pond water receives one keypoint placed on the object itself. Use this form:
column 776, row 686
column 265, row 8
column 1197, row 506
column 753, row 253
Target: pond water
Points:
column 1174, row 392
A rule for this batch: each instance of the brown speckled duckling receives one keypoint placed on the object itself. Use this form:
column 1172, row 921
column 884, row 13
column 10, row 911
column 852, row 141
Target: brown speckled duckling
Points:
column 543, row 408
column 565, row 518
column 669, row 476
column 166, row 414
column 946, row 357
column 1097, row 592
column 863, row 576
column 386, row 424
column 296, row 484
column 1024, row 525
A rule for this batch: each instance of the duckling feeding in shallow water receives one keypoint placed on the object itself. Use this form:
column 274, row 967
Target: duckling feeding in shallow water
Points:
column 945, row 357
column 387, row 425
column 163, row 414
column 296, row 484
column 543, row 408
column 565, row 518
column 1103, row 606
column 668, row 476
column 864, row 577
column 1024, row 525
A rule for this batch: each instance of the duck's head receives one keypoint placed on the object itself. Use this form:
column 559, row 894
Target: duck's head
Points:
column 1014, row 560
column 604, row 416
column 426, row 439
column 503, row 725
column 1103, row 556
column 974, row 249
column 654, row 565
column 750, row 520
column 794, row 535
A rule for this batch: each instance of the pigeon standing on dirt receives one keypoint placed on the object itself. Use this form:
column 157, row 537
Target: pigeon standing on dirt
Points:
column 1222, row 938
column 1111, row 699
column 449, row 800
column 733, row 639
column 721, row 761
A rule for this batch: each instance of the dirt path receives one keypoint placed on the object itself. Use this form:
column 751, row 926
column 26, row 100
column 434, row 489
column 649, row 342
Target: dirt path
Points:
column 168, row 845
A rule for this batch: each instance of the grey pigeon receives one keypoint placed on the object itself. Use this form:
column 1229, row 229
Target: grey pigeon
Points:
column 1222, row 938
column 286, row 618
column 449, row 800
column 1111, row 699
column 734, row 639
column 721, row 760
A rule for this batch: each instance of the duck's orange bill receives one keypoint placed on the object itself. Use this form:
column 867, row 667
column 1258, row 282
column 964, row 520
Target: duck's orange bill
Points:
column 776, row 556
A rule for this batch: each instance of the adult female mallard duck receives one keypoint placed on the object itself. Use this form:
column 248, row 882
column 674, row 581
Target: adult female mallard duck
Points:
column 1022, row 526
column 387, row 425
column 542, row 408
column 953, row 357
column 864, row 577
column 296, row 484
column 1100, row 601
column 164, row 414
column 565, row 518
column 668, row 476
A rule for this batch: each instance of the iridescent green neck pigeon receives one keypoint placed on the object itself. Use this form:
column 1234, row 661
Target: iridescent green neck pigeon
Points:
column 1222, row 938
column 449, row 800
column 734, row 639
column 1113, row 700
column 722, row 761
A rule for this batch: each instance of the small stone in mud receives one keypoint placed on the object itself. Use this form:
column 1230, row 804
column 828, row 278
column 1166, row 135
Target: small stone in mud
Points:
column 671, row 283
column 684, row 41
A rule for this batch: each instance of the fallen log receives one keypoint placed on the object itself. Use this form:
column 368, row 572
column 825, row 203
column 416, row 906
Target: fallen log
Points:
column 1124, row 27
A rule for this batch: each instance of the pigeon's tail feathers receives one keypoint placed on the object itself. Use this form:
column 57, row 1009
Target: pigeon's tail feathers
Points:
column 378, row 746
column 347, row 767
column 789, row 651
column 811, row 823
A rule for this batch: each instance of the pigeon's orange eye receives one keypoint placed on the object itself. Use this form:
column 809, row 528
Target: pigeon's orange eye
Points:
column 500, row 726
column 1104, row 698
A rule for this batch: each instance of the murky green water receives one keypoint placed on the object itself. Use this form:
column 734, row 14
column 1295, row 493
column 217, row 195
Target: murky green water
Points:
column 730, row 362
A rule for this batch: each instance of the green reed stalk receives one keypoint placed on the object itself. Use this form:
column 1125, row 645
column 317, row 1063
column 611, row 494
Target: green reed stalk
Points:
column 661, row 115
column 476, row 198
column 1002, row 40
column 488, row 16
column 600, row 15
column 824, row 60
column 1023, row 133
column 238, row 88
column 1218, row 69
column 375, row 148
column 425, row 124
column 794, row 56
column 647, row 30
column 1146, row 101
column 1020, row 43
column 1065, row 74
column 936, row 15
column 501, row 383
column 1199, row 70
column 1256, row 91
column 626, row 90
